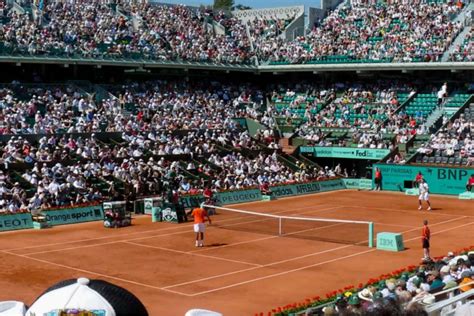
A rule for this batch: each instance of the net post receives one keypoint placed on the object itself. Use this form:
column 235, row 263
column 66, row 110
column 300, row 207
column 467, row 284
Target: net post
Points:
column 371, row 234
column 279, row 227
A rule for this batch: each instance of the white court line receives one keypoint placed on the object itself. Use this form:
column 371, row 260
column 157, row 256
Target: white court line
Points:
column 239, row 271
column 442, row 231
column 222, row 275
column 192, row 254
column 312, row 254
column 221, row 226
column 178, row 233
column 272, row 237
column 185, row 232
column 70, row 248
column 234, row 244
column 306, row 267
column 94, row 273
column 280, row 273
column 330, row 207
column 140, row 238
column 293, row 197
column 187, row 225
column 264, row 238
column 98, row 238
column 375, row 208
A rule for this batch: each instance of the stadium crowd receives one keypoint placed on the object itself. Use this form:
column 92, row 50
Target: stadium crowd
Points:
column 46, row 111
column 366, row 113
column 239, row 172
column 465, row 51
column 156, row 120
column 358, row 31
column 166, row 119
column 362, row 31
column 95, row 29
column 409, row 293
column 51, row 155
column 454, row 140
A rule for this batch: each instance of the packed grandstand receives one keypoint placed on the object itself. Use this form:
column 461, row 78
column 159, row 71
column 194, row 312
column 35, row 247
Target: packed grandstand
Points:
column 127, row 138
column 354, row 32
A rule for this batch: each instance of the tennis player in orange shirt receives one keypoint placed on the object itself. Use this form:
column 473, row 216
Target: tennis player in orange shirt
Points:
column 200, row 215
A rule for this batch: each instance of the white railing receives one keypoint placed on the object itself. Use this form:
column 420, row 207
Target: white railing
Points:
column 448, row 306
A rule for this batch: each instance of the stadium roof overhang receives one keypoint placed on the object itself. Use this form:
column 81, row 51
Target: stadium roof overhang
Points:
column 459, row 66
column 127, row 63
column 356, row 67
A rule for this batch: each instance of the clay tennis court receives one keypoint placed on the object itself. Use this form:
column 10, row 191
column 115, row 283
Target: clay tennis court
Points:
column 238, row 272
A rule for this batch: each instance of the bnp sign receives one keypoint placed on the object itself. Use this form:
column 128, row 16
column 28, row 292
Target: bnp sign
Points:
column 441, row 180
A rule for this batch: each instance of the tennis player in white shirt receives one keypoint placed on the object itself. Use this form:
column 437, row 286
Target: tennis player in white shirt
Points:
column 424, row 194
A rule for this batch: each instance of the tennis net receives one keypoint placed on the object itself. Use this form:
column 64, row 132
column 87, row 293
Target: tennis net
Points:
column 321, row 229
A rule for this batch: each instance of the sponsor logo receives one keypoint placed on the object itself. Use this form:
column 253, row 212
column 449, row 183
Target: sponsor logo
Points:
column 192, row 201
column 73, row 216
column 239, row 197
column 169, row 215
column 14, row 223
column 361, row 153
column 148, row 204
column 282, row 191
column 386, row 242
column 452, row 174
column 307, row 188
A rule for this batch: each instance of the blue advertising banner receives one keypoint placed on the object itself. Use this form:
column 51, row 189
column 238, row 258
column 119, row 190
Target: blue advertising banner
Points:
column 307, row 188
column 74, row 215
column 358, row 184
column 346, row 152
column 228, row 197
column 441, row 180
column 242, row 196
column 15, row 221
column 234, row 197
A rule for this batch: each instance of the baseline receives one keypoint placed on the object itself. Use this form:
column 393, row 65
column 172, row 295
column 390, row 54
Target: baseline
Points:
column 322, row 252
column 167, row 289
column 309, row 266
column 191, row 253
column 186, row 225
column 138, row 238
column 92, row 272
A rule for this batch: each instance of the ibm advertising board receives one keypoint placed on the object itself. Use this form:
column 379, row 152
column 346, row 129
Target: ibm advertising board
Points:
column 441, row 180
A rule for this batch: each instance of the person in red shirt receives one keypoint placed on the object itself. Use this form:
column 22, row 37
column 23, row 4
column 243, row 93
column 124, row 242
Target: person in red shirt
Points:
column 200, row 215
column 208, row 194
column 378, row 179
column 265, row 188
column 418, row 179
column 209, row 200
column 470, row 183
column 425, row 240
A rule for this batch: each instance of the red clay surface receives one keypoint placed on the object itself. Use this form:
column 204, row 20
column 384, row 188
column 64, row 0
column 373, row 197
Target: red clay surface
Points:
column 238, row 273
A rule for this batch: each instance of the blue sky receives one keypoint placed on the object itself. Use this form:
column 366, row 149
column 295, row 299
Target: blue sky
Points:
column 256, row 4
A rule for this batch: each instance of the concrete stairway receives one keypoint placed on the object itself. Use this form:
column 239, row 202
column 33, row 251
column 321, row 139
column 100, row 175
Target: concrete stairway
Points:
column 462, row 17
column 457, row 42
column 433, row 117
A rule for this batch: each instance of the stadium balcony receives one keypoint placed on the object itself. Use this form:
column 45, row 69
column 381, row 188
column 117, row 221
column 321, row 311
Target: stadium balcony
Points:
column 127, row 160
column 241, row 39
column 452, row 144
column 465, row 51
